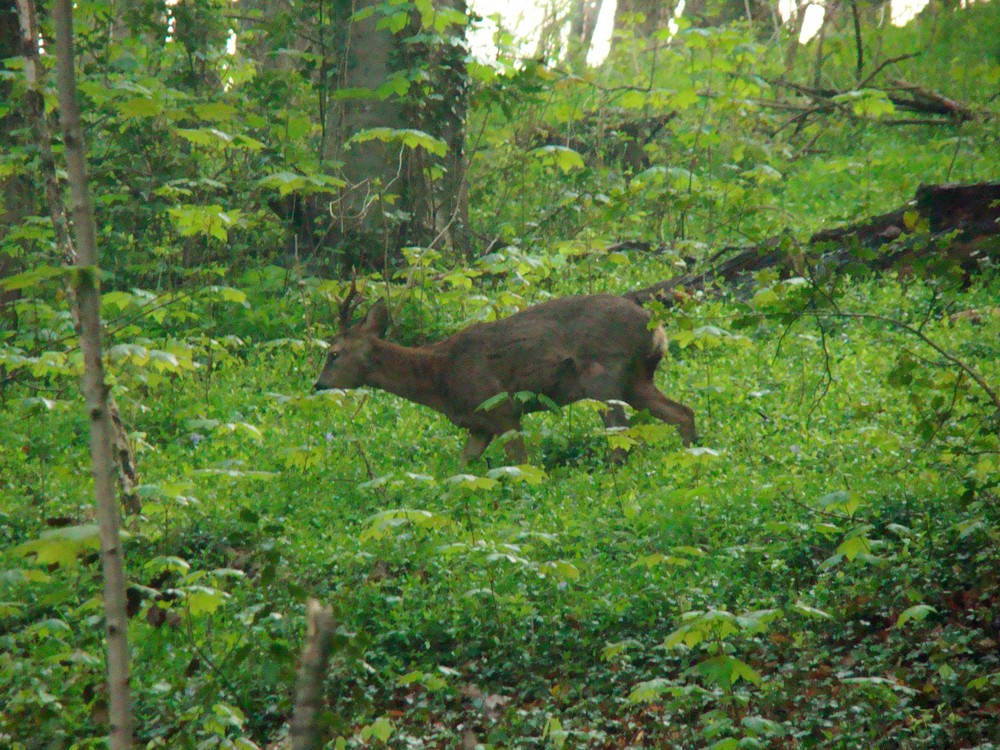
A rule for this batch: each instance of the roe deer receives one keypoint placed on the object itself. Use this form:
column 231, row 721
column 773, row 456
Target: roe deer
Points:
column 597, row 346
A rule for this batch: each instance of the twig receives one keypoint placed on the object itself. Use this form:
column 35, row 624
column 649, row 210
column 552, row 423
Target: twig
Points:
column 817, row 511
column 929, row 342
column 885, row 64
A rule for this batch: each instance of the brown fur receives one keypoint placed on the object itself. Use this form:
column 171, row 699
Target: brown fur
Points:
column 597, row 346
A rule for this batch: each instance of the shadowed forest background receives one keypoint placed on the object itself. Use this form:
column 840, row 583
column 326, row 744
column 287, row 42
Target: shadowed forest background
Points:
column 814, row 225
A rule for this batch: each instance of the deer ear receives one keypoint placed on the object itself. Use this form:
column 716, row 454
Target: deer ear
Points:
column 377, row 319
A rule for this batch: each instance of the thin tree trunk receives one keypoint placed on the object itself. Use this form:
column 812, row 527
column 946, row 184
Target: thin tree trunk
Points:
column 94, row 387
column 128, row 476
column 305, row 731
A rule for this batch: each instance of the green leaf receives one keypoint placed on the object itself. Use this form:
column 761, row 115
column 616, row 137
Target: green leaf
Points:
column 140, row 107
column 471, row 482
column 916, row 613
column 649, row 691
column 554, row 732
column 381, row 729
column 203, row 600
column 387, row 522
column 494, row 401
column 658, row 558
column 212, row 138
column 227, row 294
column 407, row 137
column 169, row 562
column 35, row 277
column 559, row 569
column 215, row 111
column 395, row 22
column 854, row 546
column 867, row 102
column 62, row 546
column 613, row 650
column 725, row 671
column 531, row 475
column 841, row 501
column 805, row 609
column 561, row 156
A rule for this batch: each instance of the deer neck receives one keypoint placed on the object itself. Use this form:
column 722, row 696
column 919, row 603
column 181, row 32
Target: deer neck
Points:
column 413, row 373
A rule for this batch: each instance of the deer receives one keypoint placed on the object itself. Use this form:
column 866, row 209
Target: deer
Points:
column 598, row 346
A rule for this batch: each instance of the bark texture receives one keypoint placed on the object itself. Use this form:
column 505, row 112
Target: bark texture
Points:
column 306, row 733
column 95, row 389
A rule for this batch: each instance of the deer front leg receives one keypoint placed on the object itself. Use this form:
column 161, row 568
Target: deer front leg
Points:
column 516, row 452
column 671, row 412
column 475, row 446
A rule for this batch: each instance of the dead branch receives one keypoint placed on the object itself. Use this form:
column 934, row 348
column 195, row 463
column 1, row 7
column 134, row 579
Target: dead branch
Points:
column 963, row 228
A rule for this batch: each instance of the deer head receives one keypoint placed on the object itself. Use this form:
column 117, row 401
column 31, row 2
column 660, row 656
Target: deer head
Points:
column 349, row 361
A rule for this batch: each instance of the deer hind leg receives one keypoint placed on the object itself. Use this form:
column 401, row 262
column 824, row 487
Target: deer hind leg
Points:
column 646, row 396
column 474, row 446
column 516, row 452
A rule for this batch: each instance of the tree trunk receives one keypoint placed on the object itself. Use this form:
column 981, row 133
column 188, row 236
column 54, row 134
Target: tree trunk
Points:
column 653, row 12
column 393, row 198
column 582, row 25
column 15, row 191
column 94, row 386
column 305, row 730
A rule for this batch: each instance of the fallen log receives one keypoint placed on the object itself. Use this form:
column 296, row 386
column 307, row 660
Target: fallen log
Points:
column 944, row 226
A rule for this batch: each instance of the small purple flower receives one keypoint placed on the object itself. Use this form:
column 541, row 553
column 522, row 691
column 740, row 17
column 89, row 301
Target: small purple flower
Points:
column 329, row 437
column 795, row 449
column 195, row 438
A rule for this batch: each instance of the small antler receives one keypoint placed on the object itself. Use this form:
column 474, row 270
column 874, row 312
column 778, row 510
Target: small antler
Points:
column 350, row 303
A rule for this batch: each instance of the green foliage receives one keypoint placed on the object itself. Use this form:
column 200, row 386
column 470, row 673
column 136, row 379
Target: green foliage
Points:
column 821, row 572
